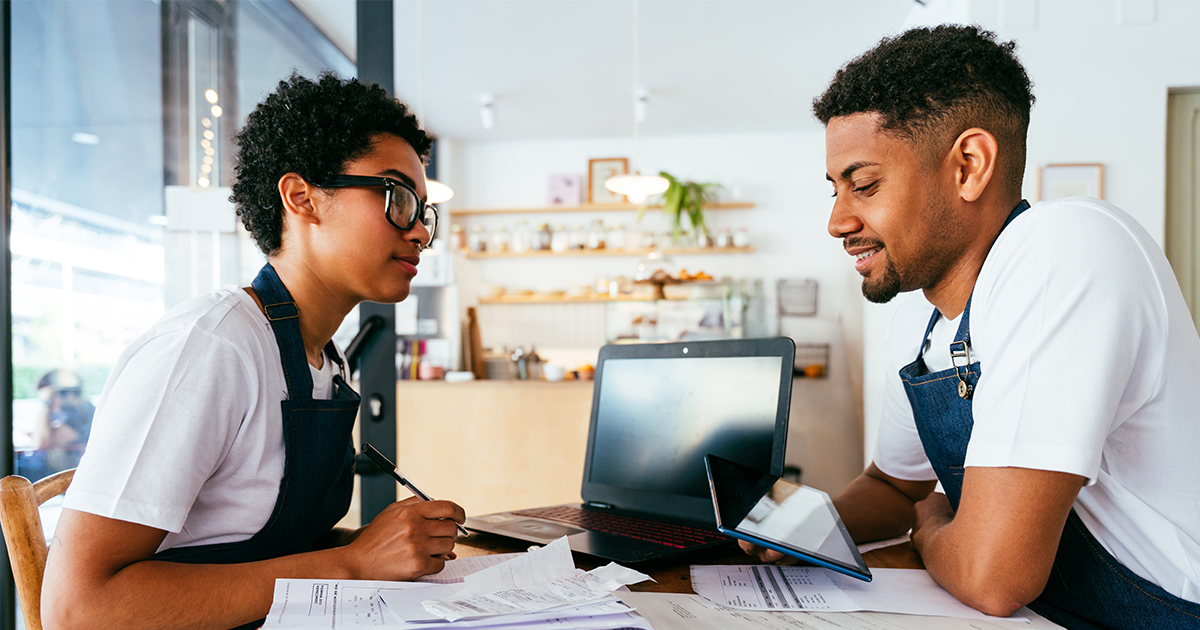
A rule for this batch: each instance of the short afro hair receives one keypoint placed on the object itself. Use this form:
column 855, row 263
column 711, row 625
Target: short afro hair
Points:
column 928, row 85
column 311, row 128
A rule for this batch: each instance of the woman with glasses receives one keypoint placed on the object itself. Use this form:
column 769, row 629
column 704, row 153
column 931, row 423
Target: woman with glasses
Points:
column 220, row 456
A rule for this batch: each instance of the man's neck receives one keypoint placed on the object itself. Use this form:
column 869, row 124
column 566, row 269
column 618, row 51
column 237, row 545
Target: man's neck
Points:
column 951, row 293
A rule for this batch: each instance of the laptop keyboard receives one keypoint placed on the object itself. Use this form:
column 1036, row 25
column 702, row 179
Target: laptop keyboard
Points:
column 678, row 536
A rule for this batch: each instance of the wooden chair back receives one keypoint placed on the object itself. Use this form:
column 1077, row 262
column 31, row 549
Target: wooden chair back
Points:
column 19, row 501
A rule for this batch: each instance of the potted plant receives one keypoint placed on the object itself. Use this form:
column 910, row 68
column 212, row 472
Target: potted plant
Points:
column 686, row 199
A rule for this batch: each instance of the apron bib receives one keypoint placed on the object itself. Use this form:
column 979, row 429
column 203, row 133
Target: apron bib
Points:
column 318, row 470
column 1088, row 588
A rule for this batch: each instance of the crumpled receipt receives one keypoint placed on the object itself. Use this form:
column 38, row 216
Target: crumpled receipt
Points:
column 542, row 579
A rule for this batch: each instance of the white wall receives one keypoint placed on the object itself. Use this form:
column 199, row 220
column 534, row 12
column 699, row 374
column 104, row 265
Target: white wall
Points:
column 784, row 174
column 1101, row 91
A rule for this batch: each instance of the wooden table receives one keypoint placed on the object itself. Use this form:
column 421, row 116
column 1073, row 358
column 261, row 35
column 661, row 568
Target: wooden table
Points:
column 674, row 575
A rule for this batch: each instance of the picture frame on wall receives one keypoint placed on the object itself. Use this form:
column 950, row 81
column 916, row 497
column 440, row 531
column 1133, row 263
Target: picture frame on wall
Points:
column 599, row 170
column 1056, row 181
column 565, row 190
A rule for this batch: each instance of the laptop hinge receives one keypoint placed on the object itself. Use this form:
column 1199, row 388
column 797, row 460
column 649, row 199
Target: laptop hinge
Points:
column 598, row 505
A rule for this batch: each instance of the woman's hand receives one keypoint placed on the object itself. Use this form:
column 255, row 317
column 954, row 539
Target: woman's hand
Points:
column 409, row 539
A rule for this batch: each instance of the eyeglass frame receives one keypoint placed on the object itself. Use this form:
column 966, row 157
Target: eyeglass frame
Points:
column 389, row 185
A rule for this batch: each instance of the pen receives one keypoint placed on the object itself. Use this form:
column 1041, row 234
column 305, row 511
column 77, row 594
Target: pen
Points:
column 388, row 466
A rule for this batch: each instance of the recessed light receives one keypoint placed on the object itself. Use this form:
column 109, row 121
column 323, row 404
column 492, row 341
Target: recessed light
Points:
column 83, row 137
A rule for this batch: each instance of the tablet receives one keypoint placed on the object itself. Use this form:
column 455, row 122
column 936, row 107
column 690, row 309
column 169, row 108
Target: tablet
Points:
column 778, row 514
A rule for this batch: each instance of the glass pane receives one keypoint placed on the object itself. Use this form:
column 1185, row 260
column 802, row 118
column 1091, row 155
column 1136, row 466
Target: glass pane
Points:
column 87, row 271
column 204, row 102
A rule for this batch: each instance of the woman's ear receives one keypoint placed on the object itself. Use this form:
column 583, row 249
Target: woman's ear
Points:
column 298, row 195
column 974, row 156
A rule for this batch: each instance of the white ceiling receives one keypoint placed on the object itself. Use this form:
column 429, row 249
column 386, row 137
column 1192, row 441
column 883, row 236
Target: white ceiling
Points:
column 564, row 68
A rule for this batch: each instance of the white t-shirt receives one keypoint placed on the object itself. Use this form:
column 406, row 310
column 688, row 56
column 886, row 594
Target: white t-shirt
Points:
column 1090, row 365
column 188, row 434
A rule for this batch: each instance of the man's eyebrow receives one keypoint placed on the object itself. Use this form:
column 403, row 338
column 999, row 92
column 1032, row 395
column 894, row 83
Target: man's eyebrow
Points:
column 395, row 174
column 849, row 170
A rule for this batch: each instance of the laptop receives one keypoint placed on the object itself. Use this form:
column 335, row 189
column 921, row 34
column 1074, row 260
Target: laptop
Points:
column 657, row 410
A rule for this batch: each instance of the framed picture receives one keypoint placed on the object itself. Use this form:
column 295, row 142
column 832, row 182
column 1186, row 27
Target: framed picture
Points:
column 599, row 170
column 565, row 190
column 1069, row 180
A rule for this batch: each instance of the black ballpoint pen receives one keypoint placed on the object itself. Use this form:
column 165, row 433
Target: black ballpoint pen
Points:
column 387, row 465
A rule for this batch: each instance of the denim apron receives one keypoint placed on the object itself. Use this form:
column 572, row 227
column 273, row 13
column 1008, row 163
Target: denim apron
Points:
column 318, row 469
column 1088, row 588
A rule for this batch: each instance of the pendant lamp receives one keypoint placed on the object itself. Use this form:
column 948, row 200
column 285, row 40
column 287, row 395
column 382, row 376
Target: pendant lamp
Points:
column 435, row 191
column 637, row 187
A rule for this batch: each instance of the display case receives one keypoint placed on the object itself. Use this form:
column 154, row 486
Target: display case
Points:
column 717, row 309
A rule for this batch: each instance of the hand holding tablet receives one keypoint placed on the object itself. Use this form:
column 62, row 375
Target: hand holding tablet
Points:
column 778, row 514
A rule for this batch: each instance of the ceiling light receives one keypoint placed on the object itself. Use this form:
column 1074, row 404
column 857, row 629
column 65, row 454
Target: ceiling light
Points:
column 210, row 96
column 637, row 187
column 487, row 110
column 83, row 137
column 216, row 111
column 437, row 191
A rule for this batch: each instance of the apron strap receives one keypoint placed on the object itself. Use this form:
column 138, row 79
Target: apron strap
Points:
column 284, row 317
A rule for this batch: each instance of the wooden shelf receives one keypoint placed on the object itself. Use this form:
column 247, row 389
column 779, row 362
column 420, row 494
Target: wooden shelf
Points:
column 586, row 299
column 674, row 251
column 587, row 207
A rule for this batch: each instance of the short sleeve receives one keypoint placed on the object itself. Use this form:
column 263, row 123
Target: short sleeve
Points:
column 1069, row 314
column 165, row 423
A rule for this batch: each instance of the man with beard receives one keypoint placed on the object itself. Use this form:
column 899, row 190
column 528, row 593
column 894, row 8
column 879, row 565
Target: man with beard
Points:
column 1053, row 389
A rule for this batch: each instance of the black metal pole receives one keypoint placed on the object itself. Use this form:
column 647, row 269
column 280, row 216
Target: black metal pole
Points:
column 8, row 591
column 377, row 371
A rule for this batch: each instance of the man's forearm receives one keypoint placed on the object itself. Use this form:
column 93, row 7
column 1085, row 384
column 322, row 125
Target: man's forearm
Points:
column 873, row 509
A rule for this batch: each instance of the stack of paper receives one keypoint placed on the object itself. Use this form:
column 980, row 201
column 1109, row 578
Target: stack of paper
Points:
column 813, row 589
column 539, row 589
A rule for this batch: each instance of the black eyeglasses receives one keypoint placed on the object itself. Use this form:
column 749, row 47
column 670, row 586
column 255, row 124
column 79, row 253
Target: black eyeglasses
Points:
column 402, row 207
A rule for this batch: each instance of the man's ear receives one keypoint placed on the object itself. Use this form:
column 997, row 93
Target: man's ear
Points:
column 298, row 196
column 974, row 159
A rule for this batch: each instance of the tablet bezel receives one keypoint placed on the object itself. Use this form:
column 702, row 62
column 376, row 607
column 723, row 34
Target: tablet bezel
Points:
column 860, row 571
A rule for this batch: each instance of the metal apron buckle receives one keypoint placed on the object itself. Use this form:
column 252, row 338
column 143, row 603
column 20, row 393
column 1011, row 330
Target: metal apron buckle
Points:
column 965, row 389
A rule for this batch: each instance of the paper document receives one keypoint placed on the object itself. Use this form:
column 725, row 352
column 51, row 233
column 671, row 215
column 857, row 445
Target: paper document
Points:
column 459, row 568
column 670, row 611
column 329, row 604
column 772, row 587
column 586, row 587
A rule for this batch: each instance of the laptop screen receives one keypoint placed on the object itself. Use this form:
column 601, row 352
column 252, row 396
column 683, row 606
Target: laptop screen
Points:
column 658, row 418
column 658, row 409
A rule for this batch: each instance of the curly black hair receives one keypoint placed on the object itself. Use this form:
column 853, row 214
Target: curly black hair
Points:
column 928, row 85
column 311, row 128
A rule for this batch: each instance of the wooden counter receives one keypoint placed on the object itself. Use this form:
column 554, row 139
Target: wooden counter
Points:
column 492, row 446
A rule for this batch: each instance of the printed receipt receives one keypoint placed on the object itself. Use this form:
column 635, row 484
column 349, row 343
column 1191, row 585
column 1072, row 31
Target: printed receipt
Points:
column 542, row 579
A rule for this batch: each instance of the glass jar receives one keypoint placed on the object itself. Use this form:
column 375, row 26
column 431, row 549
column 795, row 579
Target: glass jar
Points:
column 597, row 236
column 458, row 237
column 477, row 242
column 541, row 238
column 522, row 238
column 560, row 240
column 725, row 238
column 616, row 236
column 499, row 242
column 634, row 240
column 578, row 237
column 741, row 238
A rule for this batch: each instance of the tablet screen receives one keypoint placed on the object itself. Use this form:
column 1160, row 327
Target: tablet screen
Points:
column 792, row 518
